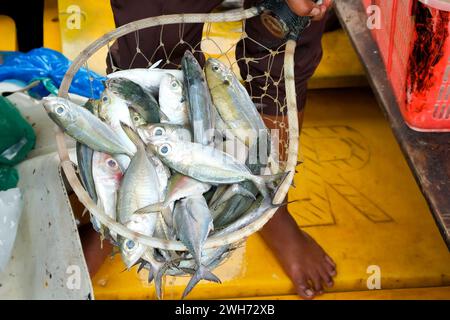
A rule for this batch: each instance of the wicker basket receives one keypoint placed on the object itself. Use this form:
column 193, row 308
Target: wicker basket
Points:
column 291, row 114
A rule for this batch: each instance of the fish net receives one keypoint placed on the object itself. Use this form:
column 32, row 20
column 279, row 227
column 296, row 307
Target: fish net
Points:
column 268, row 90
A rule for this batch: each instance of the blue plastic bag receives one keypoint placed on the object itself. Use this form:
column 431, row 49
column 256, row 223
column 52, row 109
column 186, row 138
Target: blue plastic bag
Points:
column 45, row 63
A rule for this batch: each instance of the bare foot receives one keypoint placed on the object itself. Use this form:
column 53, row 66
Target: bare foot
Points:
column 303, row 259
column 94, row 251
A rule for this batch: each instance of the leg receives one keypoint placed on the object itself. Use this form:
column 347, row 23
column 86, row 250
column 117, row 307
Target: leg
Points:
column 305, row 262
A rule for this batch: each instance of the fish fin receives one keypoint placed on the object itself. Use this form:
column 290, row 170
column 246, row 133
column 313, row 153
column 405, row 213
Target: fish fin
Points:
column 190, row 211
column 134, row 137
column 188, row 270
column 163, row 116
column 85, row 210
column 293, row 201
column 156, row 207
column 202, row 273
column 141, row 266
column 115, row 250
column 217, row 195
column 158, row 280
column 155, row 65
column 262, row 181
column 150, row 276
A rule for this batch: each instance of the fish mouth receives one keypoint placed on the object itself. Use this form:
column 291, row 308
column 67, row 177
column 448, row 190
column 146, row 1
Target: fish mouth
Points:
column 153, row 140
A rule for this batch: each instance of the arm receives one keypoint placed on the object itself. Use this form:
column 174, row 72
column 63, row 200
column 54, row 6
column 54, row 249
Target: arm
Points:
column 309, row 8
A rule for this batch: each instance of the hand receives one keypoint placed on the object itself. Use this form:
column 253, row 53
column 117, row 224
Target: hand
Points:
column 309, row 8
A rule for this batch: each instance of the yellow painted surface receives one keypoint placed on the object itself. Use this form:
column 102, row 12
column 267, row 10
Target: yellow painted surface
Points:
column 52, row 34
column 435, row 293
column 340, row 66
column 81, row 23
column 365, row 209
column 8, row 38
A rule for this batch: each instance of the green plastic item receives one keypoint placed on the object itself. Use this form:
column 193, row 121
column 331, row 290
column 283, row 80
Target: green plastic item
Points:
column 17, row 139
column 8, row 178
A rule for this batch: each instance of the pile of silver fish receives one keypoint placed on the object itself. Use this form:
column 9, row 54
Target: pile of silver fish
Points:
column 172, row 154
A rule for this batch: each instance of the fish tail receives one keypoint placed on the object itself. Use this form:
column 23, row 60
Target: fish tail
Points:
column 158, row 275
column 202, row 273
column 156, row 207
column 262, row 182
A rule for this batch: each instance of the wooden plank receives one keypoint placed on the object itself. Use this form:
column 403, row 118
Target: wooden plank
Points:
column 428, row 154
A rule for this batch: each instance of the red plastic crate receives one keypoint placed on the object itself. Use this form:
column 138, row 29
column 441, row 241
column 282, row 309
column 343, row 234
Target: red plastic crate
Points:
column 383, row 35
column 418, row 61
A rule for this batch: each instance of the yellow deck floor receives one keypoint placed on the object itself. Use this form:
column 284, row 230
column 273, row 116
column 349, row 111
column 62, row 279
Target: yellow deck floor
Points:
column 8, row 38
column 365, row 210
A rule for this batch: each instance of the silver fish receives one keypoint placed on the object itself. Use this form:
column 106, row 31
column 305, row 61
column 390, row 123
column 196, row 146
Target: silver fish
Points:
column 136, row 97
column 200, row 104
column 192, row 223
column 173, row 101
column 137, row 119
column 176, row 132
column 150, row 78
column 84, row 127
column 180, row 186
column 131, row 250
column 207, row 164
column 233, row 103
column 140, row 184
column 84, row 160
column 107, row 176
column 258, row 208
column 113, row 110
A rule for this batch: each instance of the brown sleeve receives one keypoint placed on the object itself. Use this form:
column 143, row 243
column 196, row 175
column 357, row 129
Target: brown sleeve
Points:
column 148, row 40
column 307, row 57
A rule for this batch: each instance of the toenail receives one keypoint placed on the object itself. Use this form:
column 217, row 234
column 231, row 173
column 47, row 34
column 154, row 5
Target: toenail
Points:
column 309, row 293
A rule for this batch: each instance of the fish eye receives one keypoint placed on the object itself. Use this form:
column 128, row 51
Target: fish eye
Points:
column 130, row 244
column 164, row 149
column 60, row 109
column 136, row 118
column 105, row 99
column 111, row 163
column 159, row 131
column 215, row 68
column 174, row 84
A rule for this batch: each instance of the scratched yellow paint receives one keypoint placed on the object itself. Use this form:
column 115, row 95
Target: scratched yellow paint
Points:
column 52, row 34
column 81, row 23
column 8, row 40
column 365, row 209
